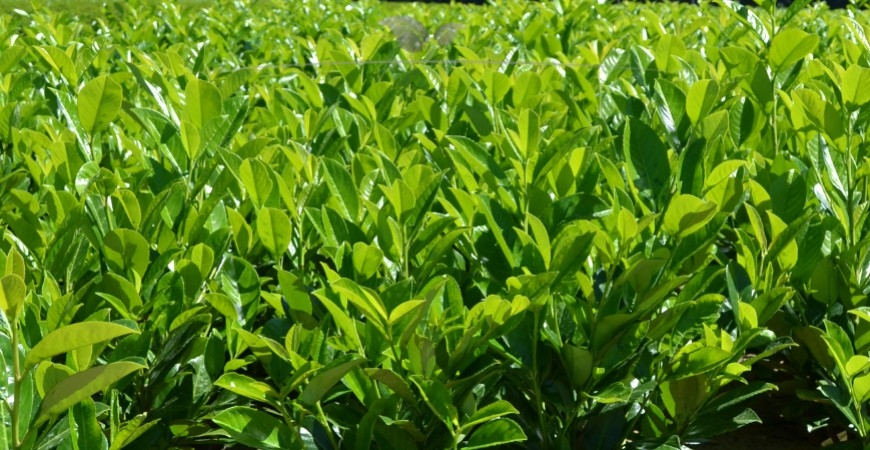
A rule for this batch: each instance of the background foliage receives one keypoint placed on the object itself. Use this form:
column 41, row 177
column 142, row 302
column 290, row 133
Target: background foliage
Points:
column 269, row 225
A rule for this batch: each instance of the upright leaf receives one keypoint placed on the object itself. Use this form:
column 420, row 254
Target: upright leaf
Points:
column 790, row 46
column 202, row 102
column 99, row 102
column 647, row 158
column 273, row 228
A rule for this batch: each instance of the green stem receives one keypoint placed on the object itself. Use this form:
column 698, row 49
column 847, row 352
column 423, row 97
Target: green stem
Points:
column 536, row 384
column 16, row 396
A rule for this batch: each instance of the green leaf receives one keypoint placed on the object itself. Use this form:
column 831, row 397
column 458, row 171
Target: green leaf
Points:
column 47, row 375
column 127, row 249
column 855, row 87
column 342, row 187
column 328, row 377
column 489, row 412
column 393, row 381
column 682, row 397
column 273, row 229
column 367, row 260
column 257, row 180
column 202, row 102
column 437, row 396
column 99, row 102
column 790, row 46
column 247, row 387
column 701, row 98
column 131, row 430
column 81, row 386
column 579, row 364
column 71, row 337
column 89, row 434
column 497, row 432
column 692, row 360
column 256, row 429
column 861, row 387
column 793, row 9
column 647, row 158
column 190, row 139
column 15, row 264
column 687, row 214
column 722, row 422
column 12, row 292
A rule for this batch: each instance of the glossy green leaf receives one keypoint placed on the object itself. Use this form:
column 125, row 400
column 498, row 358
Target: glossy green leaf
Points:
column 855, row 86
column 700, row 99
column 247, row 387
column 99, row 102
column 127, row 250
column 687, row 214
column 202, row 102
column 273, row 229
column 74, row 336
column 12, row 292
column 256, row 429
column 647, row 158
column 494, row 433
column 790, row 46
column 490, row 412
column 321, row 383
column 342, row 187
column 131, row 430
column 81, row 386
column 367, row 259
column 257, row 180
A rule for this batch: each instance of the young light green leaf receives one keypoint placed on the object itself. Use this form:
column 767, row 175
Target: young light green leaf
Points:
column 127, row 249
column 71, row 337
column 99, row 103
column 257, row 180
column 790, row 46
column 190, row 138
column 687, row 214
column 202, row 102
column 247, row 387
column 367, row 260
column 701, row 98
column 15, row 264
column 12, row 292
column 273, row 229
column 855, row 86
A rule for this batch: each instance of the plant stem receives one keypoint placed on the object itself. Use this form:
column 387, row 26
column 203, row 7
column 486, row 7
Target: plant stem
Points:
column 536, row 384
column 16, row 367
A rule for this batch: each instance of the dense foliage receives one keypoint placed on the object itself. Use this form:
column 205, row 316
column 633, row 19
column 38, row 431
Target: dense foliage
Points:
column 566, row 224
